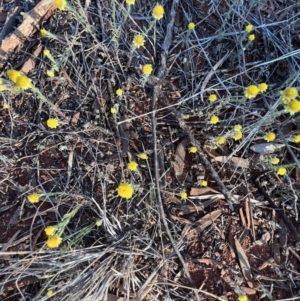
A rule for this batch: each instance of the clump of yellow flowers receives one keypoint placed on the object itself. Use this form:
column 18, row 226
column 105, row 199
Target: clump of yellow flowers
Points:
column 125, row 190
column 251, row 91
column 237, row 132
column 212, row 97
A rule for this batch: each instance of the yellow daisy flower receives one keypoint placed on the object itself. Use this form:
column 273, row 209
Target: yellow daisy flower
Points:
column 143, row 156
column 270, row 136
column 288, row 94
column 138, row 41
column 183, row 195
column 54, row 241
column 132, row 166
column 281, row 171
column 50, row 73
column 158, row 12
column 204, row 183
column 214, row 119
column 191, row 26
column 125, row 190
column 221, row 140
column 61, row 4
column 274, row 161
column 43, row 32
column 251, row 91
column 147, row 69
column 119, row 92
column 249, row 28
column 130, row 2
column 50, row 230
column 296, row 138
column 251, row 37
column 13, row 75
column 237, row 128
column 113, row 110
column 33, row 198
column 193, row 149
column 263, row 87
column 243, row 298
column 237, row 135
column 98, row 222
column 23, row 82
column 212, row 97
column 5, row 106
column 293, row 106
column 52, row 123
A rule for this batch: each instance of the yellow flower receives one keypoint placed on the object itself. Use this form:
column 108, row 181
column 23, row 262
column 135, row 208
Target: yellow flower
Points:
column 204, row 183
column 2, row 87
column 132, row 166
column 191, row 26
column 212, row 97
column 251, row 91
column 274, row 161
column 288, row 94
column 183, row 195
column 242, row 298
column 50, row 73
column 113, row 110
column 269, row 137
column 296, row 138
column 249, row 28
column 237, row 128
column 263, row 87
column 23, row 82
column 138, row 41
column 158, row 12
column 54, row 241
column 61, row 4
column 52, row 123
column 50, row 230
column 221, row 140
column 130, row 2
column 98, row 222
column 237, row 135
column 147, row 69
column 33, row 198
column 193, row 149
column 293, row 106
column 251, row 37
column 43, row 32
column 119, row 92
column 281, row 171
column 143, row 156
column 49, row 293
column 125, row 190
column 214, row 119
column 6, row 106
column 46, row 52
column 13, row 75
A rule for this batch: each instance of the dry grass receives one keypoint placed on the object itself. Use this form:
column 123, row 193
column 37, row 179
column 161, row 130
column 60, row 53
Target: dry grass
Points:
column 141, row 250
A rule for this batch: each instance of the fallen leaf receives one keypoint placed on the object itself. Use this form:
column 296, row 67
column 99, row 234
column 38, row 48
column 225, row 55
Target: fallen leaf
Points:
column 240, row 162
column 30, row 63
column 178, row 163
column 266, row 148
column 75, row 118
column 202, row 190
column 244, row 263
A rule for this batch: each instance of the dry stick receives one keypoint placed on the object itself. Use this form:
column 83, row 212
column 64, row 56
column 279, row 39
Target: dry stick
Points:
column 160, row 73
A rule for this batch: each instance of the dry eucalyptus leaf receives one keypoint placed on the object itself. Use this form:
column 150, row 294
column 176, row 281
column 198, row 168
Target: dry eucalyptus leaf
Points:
column 244, row 263
column 240, row 162
column 266, row 148
column 178, row 163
